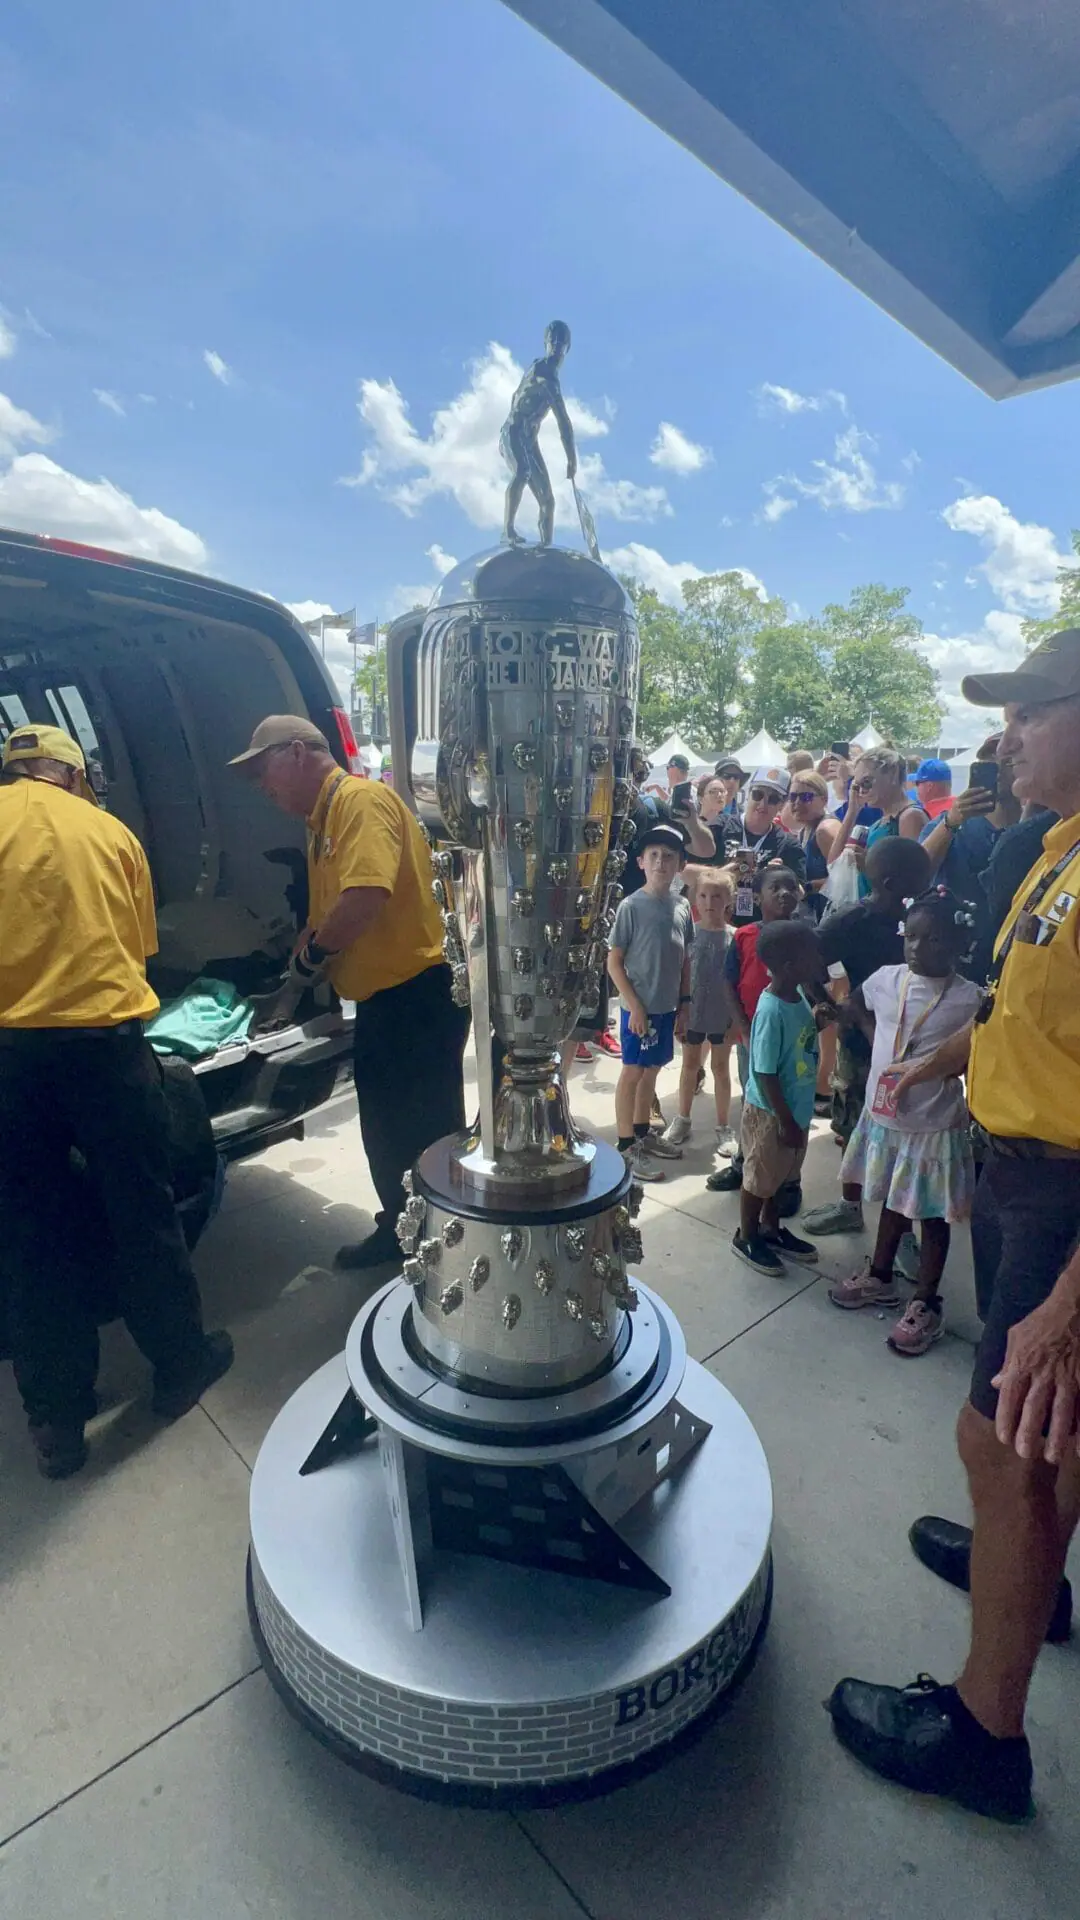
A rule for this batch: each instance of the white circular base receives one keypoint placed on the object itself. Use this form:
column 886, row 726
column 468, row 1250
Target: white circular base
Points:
column 523, row 1686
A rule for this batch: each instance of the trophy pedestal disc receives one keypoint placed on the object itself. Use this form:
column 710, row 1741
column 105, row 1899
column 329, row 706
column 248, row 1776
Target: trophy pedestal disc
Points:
column 525, row 1687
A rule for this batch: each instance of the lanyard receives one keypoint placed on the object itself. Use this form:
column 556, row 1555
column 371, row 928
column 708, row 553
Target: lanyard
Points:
column 900, row 1052
column 316, row 827
column 1035, row 899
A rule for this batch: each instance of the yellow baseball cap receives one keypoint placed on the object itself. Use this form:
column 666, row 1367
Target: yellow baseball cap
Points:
column 48, row 743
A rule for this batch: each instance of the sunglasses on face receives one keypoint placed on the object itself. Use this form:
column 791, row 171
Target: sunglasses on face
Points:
column 803, row 799
column 862, row 786
column 763, row 793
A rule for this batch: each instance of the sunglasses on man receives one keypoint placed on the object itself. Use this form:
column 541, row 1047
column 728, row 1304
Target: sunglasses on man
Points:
column 765, row 793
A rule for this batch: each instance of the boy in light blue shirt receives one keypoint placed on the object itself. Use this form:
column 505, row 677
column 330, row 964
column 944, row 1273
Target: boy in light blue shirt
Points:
column 778, row 1101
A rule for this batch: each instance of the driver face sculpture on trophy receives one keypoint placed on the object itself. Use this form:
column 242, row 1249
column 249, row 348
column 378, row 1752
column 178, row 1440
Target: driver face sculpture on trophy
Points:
column 556, row 1559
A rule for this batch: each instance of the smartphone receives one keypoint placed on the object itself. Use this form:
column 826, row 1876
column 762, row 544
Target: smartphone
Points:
column 840, row 749
column 984, row 773
column 680, row 797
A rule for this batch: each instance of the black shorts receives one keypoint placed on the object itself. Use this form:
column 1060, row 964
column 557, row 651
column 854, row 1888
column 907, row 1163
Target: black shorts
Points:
column 699, row 1039
column 1025, row 1224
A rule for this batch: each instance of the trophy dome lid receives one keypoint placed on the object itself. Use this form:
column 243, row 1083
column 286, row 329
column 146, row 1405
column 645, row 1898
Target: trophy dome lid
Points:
column 559, row 577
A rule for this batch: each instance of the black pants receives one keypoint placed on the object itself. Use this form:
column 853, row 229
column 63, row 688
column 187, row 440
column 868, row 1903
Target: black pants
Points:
column 409, row 1042
column 100, row 1091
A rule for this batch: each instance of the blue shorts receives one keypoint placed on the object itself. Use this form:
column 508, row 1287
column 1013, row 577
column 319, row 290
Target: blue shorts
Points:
column 658, row 1046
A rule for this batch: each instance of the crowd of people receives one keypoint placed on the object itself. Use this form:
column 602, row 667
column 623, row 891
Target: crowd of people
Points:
column 937, row 938
column 874, row 950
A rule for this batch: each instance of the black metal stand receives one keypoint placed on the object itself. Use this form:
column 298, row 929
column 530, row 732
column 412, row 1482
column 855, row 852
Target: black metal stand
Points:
column 342, row 1437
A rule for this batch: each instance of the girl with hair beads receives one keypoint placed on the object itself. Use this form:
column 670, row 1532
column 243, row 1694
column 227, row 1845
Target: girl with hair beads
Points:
column 911, row 1148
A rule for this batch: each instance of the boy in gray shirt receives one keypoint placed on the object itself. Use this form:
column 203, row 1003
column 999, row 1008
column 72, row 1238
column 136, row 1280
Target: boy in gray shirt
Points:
column 649, row 964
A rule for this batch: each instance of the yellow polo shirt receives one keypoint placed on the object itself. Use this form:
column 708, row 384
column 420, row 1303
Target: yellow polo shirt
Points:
column 361, row 834
column 1024, row 1073
column 76, row 913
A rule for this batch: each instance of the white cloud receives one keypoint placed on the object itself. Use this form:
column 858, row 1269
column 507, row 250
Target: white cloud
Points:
column 776, row 503
column 846, row 484
column 305, row 610
column 41, row 497
column 148, row 399
column 334, row 646
column 460, row 455
column 106, row 399
column 1022, row 559
column 666, row 577
column 35, row 325
column 404, row 599
column 17, row 428
column 993, row 647
column 7, row 339
column 218, row 367
column 784, row 400
column 673, row 451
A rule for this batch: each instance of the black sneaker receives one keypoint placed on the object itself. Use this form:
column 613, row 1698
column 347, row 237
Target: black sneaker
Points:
column 61, row 1451
column 757, row 1253
column 175, row 1395
column 923, row 1737
column 792, row 1247
column 945, row 1547
column 375, row 1251
column 727, row 1180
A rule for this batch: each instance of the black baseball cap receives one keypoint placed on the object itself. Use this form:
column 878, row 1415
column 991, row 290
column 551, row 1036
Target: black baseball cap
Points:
column 727, row 770
column 679, row 760
column 664, row 834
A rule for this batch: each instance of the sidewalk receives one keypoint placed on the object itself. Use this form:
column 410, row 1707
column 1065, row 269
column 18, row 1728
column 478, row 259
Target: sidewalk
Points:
column 148, row 1773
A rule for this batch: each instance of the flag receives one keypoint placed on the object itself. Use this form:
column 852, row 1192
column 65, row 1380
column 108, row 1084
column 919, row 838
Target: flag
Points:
column 366, row 635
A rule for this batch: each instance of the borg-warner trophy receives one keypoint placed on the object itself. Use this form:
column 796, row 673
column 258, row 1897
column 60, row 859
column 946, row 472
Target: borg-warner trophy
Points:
column 528, row 1395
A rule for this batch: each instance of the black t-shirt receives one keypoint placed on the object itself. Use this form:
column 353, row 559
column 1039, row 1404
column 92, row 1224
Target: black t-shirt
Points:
column 1013, row 857
column 773, row 846
column 860, row 939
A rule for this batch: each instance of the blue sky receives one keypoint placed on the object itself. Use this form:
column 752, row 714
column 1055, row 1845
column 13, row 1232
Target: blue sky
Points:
column 268, row 273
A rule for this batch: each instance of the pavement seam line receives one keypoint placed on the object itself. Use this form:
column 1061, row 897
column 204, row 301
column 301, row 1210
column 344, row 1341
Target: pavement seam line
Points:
column 229, row 1443
column 552, row 1868
column 115, row 1765
column 760, row 1321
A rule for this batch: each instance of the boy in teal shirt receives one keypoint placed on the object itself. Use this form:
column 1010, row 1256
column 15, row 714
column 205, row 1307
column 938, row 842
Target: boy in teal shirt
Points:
column 779, row 1100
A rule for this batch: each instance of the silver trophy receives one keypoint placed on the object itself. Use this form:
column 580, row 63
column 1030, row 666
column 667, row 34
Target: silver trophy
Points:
column 528, row 1398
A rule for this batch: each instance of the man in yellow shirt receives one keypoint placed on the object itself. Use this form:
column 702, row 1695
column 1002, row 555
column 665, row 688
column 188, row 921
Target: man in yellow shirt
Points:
column 76, row 928
column 1019, row 1433
column 375, row 932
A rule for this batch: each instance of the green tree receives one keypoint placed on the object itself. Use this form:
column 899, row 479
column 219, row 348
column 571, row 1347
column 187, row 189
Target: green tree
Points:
column 668, row 665
column 789, row 690
column 724, row 618
column 1068, row 613
column 370, row 685
column 875, row 669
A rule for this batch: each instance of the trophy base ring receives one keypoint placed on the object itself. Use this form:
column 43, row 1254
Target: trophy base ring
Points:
column 607, row 1181
column 448, row 1416
column 473, row 1172
column 524, row 1688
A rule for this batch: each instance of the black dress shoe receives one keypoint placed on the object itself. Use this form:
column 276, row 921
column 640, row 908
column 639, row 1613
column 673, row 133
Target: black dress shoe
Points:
column 61, row 1451
column 176, row 1394
column 923, row 1737
column 945, row 1548
column 375, row 1251
column 727, row 1180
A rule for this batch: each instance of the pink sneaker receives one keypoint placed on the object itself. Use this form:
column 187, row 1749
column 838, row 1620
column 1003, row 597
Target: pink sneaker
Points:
column 917, row 1329
column 864, row 1289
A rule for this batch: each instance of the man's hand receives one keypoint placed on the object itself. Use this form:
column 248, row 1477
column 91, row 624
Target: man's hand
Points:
column 276, row 1010
column 970, row 805
column 826, row 1014
column 1039, row 1385
column 639, row 1018
column 947, row 1062
column 790, row 1134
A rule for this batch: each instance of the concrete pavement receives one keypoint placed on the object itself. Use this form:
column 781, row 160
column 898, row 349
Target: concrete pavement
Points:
column 148, row 1773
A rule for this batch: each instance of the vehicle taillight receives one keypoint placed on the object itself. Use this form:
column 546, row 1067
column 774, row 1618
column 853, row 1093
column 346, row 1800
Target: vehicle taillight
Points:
column 349, row 748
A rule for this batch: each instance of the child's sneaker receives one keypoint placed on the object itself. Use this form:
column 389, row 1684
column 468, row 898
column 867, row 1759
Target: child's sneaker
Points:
column 906, row 1263
column 662, row 1146
column 792, row 1247
column 727, row 1142
column 582, row 1052
column 919, row 1326
column 607, row 1043
column 864, row 1289
column 757, row 1253
column 641, row 1163
column 677, row 1131
column 837, row 1216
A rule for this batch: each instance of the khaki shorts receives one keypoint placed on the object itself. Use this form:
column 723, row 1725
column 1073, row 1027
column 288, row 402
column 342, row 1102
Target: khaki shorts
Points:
column 767, row 1165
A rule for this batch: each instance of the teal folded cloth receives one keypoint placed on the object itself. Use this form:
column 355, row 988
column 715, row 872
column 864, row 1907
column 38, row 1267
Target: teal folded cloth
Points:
column 208, row 1015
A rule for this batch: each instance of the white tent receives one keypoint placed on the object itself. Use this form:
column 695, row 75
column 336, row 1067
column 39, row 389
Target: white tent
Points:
column 761, row 751
column 656, row 778
column 868, row 737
